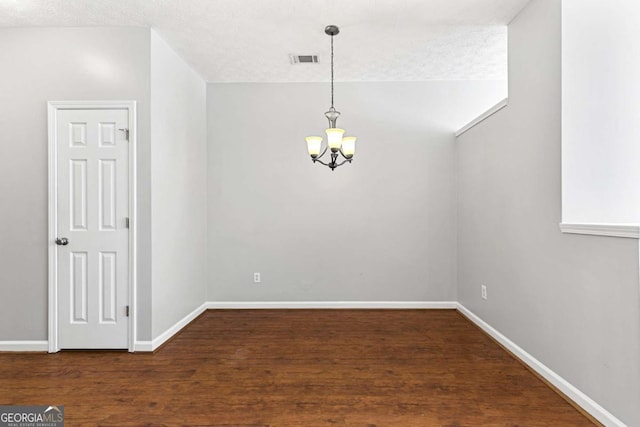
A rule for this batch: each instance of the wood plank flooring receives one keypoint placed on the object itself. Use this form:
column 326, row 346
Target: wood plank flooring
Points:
column 296, row 368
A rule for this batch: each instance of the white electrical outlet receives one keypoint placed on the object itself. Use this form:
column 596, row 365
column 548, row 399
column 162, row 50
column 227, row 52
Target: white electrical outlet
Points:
column 256, row 277
column 483, row 289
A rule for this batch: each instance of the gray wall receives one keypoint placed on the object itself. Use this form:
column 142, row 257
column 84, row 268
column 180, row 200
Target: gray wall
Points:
column 179, row 179
column 571, row 301
column 380, row 229
column 46, row 64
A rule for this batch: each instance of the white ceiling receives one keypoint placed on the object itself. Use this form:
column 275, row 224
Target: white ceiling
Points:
column 250, row 40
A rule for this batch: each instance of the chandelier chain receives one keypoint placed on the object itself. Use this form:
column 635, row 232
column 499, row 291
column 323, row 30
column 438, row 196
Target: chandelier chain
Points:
column 332, row 72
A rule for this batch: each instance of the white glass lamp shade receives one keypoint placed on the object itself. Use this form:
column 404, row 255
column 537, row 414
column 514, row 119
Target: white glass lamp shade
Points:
column 334, row 138
column 314, row 144
column 349, row 146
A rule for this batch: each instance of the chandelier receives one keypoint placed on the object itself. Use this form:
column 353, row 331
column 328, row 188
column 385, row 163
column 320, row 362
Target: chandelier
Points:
column 337, row 143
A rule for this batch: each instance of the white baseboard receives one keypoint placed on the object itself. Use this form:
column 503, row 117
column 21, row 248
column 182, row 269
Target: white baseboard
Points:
column 238, row 305
column 24, row 345
column 581, row 399
column 166, row 335
column 143, row 346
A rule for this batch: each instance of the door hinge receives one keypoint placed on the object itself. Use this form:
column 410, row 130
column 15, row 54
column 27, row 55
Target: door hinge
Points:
column 126, row 222
column 126, row 133
column 127, row 311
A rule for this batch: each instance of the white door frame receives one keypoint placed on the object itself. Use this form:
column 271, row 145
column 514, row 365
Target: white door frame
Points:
column 53, row 108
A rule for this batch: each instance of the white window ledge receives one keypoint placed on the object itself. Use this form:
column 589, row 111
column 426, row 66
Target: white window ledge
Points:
column 631, row 231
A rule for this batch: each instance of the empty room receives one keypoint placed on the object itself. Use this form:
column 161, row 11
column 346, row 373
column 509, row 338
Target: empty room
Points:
column 316, row 213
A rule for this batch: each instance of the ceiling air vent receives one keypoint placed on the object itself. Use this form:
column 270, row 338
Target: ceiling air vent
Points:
column 303, row 59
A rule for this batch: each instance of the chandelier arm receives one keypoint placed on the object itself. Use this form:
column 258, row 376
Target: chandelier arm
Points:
column 343, row 162
column 332, row 164
column 323, row 151
column 342, row 153
column 316, row 159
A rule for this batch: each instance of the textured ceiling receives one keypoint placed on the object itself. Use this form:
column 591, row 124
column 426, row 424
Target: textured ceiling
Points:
column 251, row 40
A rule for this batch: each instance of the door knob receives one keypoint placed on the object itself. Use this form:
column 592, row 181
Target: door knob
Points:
column 62, row 241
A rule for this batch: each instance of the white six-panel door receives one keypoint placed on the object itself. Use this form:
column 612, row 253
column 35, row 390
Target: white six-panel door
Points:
column 92, row 241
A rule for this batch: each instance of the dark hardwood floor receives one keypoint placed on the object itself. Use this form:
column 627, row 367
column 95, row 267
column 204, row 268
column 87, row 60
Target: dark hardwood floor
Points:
column 296, row 368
